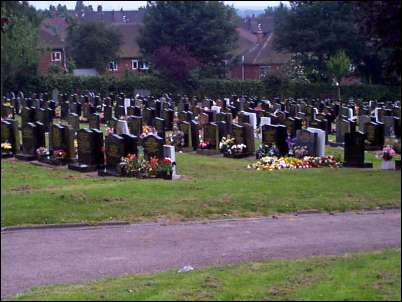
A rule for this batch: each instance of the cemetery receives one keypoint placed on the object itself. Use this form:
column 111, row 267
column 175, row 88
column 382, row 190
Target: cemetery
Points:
column 204, row 150
column 123, row 135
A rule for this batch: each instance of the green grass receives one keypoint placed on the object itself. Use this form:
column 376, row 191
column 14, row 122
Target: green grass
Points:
column 372, row 276
column 212, row 188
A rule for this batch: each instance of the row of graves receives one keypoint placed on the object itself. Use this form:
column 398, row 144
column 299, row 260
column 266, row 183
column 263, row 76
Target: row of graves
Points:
column 156, row 127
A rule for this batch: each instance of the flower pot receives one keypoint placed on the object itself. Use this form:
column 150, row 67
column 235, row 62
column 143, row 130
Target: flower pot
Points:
column 388, row 165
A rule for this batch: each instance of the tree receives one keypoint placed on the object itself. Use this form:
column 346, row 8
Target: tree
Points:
column 380, row 23
column 92, row 44
column 316, row 30
column 174, row 63
column 339, row 66
column 205, row 29
column 19, row 47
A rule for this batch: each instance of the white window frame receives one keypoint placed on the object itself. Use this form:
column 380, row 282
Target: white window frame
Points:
column 264, row 71
column 143, row 65
column 115, row 67
column 55, row 56
column 133, row 63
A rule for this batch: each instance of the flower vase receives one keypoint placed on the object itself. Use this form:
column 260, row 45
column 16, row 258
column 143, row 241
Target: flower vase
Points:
column 388, row 165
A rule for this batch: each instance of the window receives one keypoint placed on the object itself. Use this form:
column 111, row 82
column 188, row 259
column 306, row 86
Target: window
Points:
column 113, row 66
column 134, row 64
column 264, row 71
column 144, row 65
column 56, row 56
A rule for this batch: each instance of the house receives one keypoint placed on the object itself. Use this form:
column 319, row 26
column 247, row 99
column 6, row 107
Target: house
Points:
column 255, row 54
column 53, row 32
column 52, row 35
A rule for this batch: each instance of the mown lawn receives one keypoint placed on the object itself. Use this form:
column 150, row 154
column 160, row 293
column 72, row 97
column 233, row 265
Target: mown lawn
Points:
column 373, row 276
column 212, row 188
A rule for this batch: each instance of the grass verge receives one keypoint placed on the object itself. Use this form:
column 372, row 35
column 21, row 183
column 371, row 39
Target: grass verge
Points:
column 372, row 276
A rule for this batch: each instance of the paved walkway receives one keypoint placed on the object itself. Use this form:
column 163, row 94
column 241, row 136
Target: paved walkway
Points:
column 47, row 256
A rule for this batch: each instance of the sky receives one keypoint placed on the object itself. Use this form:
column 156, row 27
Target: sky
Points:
column 117, row 5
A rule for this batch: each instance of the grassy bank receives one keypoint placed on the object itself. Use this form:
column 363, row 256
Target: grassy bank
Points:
column 212, row 188
column 374, row 276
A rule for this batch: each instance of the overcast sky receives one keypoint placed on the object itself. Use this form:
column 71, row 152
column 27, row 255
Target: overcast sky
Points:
column 117, row 5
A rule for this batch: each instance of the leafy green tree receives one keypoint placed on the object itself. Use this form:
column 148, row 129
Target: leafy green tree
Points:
column 19, row 43
column 339, row 66
column 206, row 29
column 380, row 23
column 315, row 30
column 92, row 44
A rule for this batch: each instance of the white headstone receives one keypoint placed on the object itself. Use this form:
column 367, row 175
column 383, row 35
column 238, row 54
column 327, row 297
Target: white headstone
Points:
column 320, row 140
column 127, row 103
column 216, row 108
column 265, row 121
column 350, row 113
column 253, row 119
column 122, row 127
column 377, row 119
column 169, row 152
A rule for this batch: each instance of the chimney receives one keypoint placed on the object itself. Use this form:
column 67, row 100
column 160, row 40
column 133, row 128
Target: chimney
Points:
column 259, row 34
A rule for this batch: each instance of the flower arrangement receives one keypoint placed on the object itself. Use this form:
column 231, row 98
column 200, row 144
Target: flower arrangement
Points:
column 6, row 147
column 147, row 130
column 270, row 163
column 298, row 151
column 109, row 130
column 204, row 144
column 42, row 152
column 267, row 150
column 226, row 143
column 176, row 138
column 388, row 152
column 138, row 166
column 59, row 153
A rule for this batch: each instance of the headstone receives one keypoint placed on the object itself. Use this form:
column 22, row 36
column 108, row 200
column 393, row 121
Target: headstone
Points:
column 153, row 146
column 122, row 127
column 308, row 139
column 135, row 125
column 354, row 150
column 320, row 151
column 94, row 121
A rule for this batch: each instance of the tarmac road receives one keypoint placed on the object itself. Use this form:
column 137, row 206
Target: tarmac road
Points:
column 69, row 255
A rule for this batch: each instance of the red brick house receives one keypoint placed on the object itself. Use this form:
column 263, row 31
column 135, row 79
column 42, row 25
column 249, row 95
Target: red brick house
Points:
column 52, row 34
column 254, row 52
column 255, row 55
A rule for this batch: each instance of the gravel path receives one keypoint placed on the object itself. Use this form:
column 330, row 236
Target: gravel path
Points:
column 49, row 256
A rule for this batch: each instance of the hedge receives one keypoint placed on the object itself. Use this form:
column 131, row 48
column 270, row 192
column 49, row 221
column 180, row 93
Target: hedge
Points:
column 205, row 87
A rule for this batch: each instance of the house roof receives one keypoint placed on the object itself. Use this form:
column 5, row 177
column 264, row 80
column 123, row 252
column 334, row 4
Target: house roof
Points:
column 264, row 54
column 53, row 32
column 130, row 34
column 130, row 16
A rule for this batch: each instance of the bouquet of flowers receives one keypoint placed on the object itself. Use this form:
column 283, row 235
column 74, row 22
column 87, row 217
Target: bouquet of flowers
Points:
column 267, row 150
column 388, row 152
column 270, row 163
column 299, row 151
column 204, row 144
column 42, row 152
column 137, row 166
column 165, row 166
column 59, row 153
column 225, row 144
column 109, row 130
column 6, row 147
column 147, row 130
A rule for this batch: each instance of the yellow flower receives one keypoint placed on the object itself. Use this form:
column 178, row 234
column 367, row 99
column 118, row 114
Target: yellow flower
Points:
column 6, row 146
